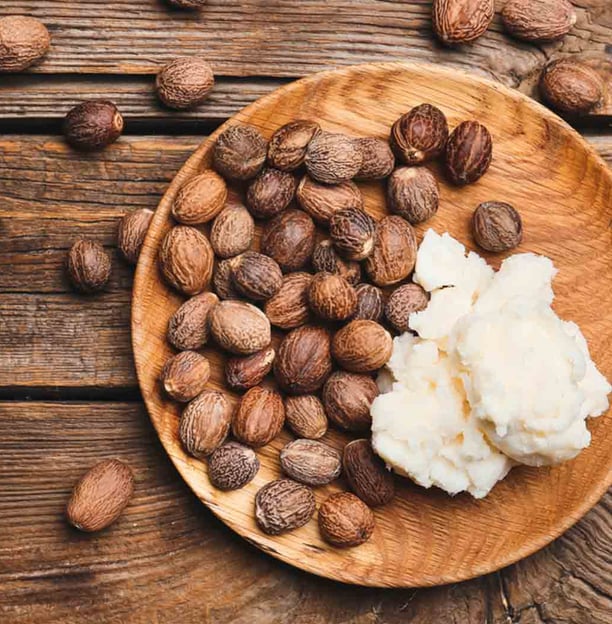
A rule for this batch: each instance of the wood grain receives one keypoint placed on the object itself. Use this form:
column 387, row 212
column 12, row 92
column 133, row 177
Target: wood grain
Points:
column 563, row 191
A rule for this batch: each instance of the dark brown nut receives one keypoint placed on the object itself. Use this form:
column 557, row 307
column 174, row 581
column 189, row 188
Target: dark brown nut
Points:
column 232, row 231
column 345, row 520
column 239, row 327
column 370, row 302
column 188, row 326
column 402, row 302
column 242, row 373
column 184, row 82
column 310, row 462
column 571, row 87
column 460, row 21
column 93, row 125
column 321, row 201
column 287, row 147
column 377, row 159
column 240, row 152
column 289, row 239
column 332, row 158
column 326, row 258
column 538, row 20
column 394, row 253
column 419, row 135
column 232, row 466
column 223, row 281
column 362, row 346
column 352, row 232
column 23, row 42
column 367, row 474
column 331, row 297
column 89, row 266
column 186, row 259
column 185, row 375
column 131, row 233
column 303, row 361
column 256, row 276
column 289, row 308
column 347, row 398
column 413, row 193
column 205, row 423
column 100, row 495
column 305, row 416
column 497, row 226
column 270, row 193
column 188, row 4
column 283, row 505
column 468, row 152
column 259, row 417
column 200, row 199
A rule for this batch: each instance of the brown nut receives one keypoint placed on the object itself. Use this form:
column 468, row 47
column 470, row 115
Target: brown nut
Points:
column 259, row 417
column 93, row 125
column 186, row 259
column 321, row 201
column 345, row 520
column 100, row 495
column 538, row 20
column 377, row 160
column 23, row 42
column 240, row 152
column 223, row 281
column 288, row 145
column 188, row 4
column 303, row 360
column 232, row 231
column 497, row 226
column 89, row 266
column 131, row 233
column 332, row 158
column 571, row 87
column 270, row 193
column 188, row 326
column 289, row 239
column 468, row 152
column 419, row 135
column 256, row 276
column 185, row 375
column 413, row 193
column 184, row 82
column 460, row 21
column 205, row 423
column 242, row 373
column 305, row 416
column 402, row 302
column 310, row 462
column 362, row 346
column 370, row 302
column 326, row 258
column 331, row 297
column 283, row 505
column 200, row 199
column 239, row 327
column 232, row 466
column 289, row 308
column 367, row 474
column 347, row 398
column 352, row 232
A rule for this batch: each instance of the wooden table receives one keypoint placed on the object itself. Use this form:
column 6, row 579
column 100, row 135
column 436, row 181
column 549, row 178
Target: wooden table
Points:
column 68, row 392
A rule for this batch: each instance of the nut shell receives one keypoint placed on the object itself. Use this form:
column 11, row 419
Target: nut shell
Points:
column 367, row 474
column 287, row 147
column 362, row 346
column 497, row 226
column 538, row 20
column 347, row 398
column 289, row 239
column 259, row 417
column 352, row 232
column 402, row 302
column 232, row 466
column 240, row 152
column 256, row 276
column 89, row 266
column 23, row 42
column 223, row 281
column 200, row 199
column 468, row 152
column 345, row 520
column 289, row 308
column 242, row 373
column 232, row 231
column 305, row 416
column 377, row 159
column 270, row 193
column 93, row 125
column 460, row 21
column 283, row 505
column 239, row 327
column 185, row 375
column 331, row 297
column 326, row 258
column 184, row 82
column 413, row 193
column 188, row 326
column 131, row 233
column 321, row 201
column 310, row 462
column 370, row 302
column 332, row 158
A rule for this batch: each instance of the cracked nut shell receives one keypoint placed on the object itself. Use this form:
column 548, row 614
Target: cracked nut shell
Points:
column 23, row 42
column 460, row 21
column 185, row 375
column 326, row 258
column 352, row 232
column 232, row 466
column 362, row 346
column 310, row 462
column 256, row 276
column 413, row 193
column 93, row 125
column 259, row 417
column 370, row 302
column 242, row 373
column 331, row 297
column 345, row 520
column 89, row 266
column 289, row 308
column 239, row 327
column 188, row 326
column 289, row 239
column 283, row 505
column 200, row 199
column 240, row 152
column 468, row 153
column 131, row 233
column 232, row 231
column 184, row 82
column 270, row 193
column 367, row 474
column 497, row 226
column 305, row 416
column 347, row 398
column 321, row 201
column 288, row 145
column 332, row 158
column 402, row 302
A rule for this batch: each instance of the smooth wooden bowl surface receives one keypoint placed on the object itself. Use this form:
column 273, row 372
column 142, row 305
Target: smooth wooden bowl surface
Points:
column 563, row 192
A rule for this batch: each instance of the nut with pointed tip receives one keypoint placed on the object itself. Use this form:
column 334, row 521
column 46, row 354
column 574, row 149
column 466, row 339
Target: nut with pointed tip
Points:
column 270, row 193
column 23, row 42
column 289, row 308
column 347, row 398
column 89, row 266
column 353, row 231
column 332, row 158
column 200, row 199
column 283, row 505
column 370, row 303
column 310, row 462
column 188, row 326
column 468, row 153
column 240, row 152
column 326, row 258
column 345, row 520
column 256, row 276
column 377, row 160
column 305, row 416
column 239, row 327
column 460, row 21
column 131, row 233
column 93, row 125
column 413, row 193
column 232, row 466
column 321, row 201
column 232, row 231
column 185, row 375
column 538, row 20
column 402, row 302
column 288, row 145
column 362, row 346
column 259, row 417
column 185, row 82
column 497, row 226
column 367, row 474
column 242, row 373
column 331, row 297
column 289, row 239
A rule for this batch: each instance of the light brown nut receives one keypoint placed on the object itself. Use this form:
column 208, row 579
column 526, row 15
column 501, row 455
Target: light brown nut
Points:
column 321, row 201
column 469, row 151
column 370, row 303
column 200, row 199
column 289, row 308
column 305, row 416
column 223, row 281
column 93, row 125
column 413, row 193
column 242, row 373
column 23, row 42
column 131, row 233
column 186, row 259
column 367, row 474
column 352, row 232
column 326, row 258
column 270, row 193
column 331, row 297
column 89, row 266
column 185, row 375
column 347, row 398
column 256, row 276
column 205, row 423
column 239, row 327
column 345, row 520
column 362, row 346
column 232, row 231
column 538, row 20
column 240, row 152
column 377, row 159
column 402, row 302
column 259, row 417
column 188, row 326
column 232, row 466
column 289, row 239
column 184, row 82
column 497, row 226
column 100, row 495
column 460, row 21
column 288, row 145
column 310, row 462
column 332, row 158
column 283, row 505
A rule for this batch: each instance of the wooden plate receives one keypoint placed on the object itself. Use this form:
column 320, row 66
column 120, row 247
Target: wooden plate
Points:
column 563, row 191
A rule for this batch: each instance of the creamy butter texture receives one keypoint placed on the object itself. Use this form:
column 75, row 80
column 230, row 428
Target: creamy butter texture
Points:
column 494, row 377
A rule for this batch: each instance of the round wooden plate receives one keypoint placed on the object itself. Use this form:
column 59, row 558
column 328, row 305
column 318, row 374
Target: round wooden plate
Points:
column 563, row 192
